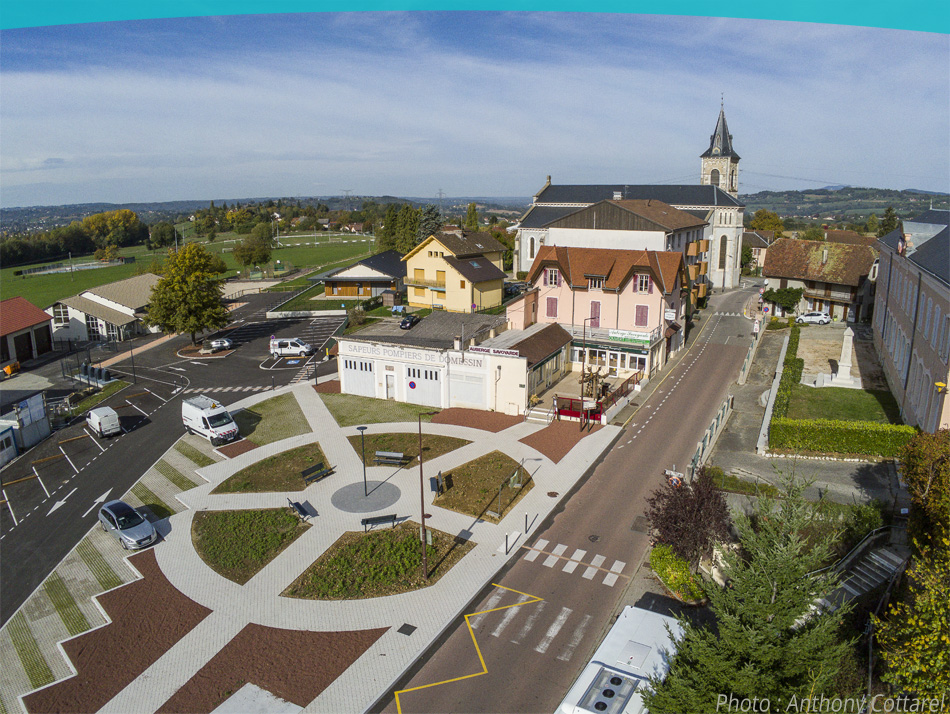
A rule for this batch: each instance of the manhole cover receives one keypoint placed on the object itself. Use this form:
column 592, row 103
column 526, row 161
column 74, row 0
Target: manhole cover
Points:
column 593, row 538
column 552, row 494
column 640, row 525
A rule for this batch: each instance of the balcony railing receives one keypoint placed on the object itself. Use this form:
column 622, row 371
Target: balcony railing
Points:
column 692, row 271
column 703, row 268
column 836, row 295
column 704, row 245
column 701, row 289
column 603, row 335
column 423, row 283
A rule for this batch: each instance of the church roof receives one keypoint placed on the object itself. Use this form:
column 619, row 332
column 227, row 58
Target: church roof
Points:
column 720, row 143
column 675, row 195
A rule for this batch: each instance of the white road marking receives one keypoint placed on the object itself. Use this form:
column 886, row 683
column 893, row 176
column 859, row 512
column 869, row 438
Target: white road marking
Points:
column 509, row 616
column 101, row 499
column 595, row 562
column 532, row 618
column 95, row 440
column 573, row 562
column 178, row 369
column 62, row 502
column 490, row 605
column 10, row 506
column 136, row 407
column 70, row 463
column 155, row 395
column 576, row 638
column 553, row 630
column 552, row 559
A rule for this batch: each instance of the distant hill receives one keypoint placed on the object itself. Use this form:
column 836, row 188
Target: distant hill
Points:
column 847, row 203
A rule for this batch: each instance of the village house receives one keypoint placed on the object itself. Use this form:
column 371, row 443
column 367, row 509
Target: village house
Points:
column 758, row 242
column 458, row 273
column 109, row 312
column 24, row 331
column 912, row 318
column 367, row 278
column 837, row 278
column 625, row 309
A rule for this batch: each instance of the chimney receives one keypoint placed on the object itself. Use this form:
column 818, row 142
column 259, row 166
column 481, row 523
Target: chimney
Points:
column 458, row 342
column 548, row 181
column 618, row 195
column 824, row 256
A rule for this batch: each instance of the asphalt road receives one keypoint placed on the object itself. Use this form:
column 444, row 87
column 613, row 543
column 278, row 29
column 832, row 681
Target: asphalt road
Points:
column 46, row 517
column 580, row 560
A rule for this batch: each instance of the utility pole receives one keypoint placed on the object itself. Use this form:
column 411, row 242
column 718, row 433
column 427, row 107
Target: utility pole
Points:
column 346, row 200
column 441, row 195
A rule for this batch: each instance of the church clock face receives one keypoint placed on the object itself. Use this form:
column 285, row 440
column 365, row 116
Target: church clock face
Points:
column 716, row 151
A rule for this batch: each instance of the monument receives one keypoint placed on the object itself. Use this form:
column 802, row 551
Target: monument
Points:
column 842, row 377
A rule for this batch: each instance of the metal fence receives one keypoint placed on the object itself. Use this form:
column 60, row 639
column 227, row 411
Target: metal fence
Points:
column 705, row 445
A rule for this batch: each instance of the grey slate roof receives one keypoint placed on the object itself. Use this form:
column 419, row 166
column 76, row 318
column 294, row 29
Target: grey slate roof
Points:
column 935, row 216
column 134, row 292
column 675, row 195
column 539, row 216
column 470, row 243
column 755, row 239
column 389, row 262
column 721, row 139
column 91, row 307
column 437, row 330
column 932, row 256
column 477, row 269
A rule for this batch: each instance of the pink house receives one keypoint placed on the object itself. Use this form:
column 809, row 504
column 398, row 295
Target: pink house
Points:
column 624, row 308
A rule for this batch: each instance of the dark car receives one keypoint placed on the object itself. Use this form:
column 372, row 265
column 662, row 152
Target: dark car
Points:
column 514, row 288
column 408, row 321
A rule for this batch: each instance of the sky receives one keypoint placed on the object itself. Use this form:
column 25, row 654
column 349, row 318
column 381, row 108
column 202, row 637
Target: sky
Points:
column 469, row 103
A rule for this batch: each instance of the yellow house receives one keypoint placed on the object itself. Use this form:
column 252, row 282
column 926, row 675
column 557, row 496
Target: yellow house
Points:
column 458, row 273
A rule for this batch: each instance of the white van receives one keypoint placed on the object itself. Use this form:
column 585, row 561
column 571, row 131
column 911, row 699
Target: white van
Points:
column 289, row 347
column 103, row 421
column 203, row 416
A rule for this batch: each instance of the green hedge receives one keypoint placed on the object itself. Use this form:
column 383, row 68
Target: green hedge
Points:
column 841, row 437
column 791, row 375
column 674, row 572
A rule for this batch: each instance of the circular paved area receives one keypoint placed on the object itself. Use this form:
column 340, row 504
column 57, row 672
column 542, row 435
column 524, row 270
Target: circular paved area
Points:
column 352, row 499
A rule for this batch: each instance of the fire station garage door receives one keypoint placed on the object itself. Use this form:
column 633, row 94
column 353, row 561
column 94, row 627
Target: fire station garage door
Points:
column 467, row 390
column 359, row 378
column 424, row 386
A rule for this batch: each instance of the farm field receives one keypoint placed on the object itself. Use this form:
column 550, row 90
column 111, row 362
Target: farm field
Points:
column 44, row 290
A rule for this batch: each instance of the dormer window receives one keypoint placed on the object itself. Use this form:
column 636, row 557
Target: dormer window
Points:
column 595, row 283
column 552, row 276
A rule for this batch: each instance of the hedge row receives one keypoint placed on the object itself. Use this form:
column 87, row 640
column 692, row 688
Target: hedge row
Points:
column 842, row 437
column 675, row 574
column 791, row 375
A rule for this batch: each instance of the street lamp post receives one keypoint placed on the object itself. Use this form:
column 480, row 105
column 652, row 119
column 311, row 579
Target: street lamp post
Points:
column 361, row 429
column 422, row 501
column 584, row 354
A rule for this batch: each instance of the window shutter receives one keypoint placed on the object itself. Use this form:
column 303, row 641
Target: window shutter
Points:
column 558, row 278
column 650, row 281
column 545, row 276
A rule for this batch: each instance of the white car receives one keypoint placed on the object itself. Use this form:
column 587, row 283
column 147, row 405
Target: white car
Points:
column 222, row 343
column 817, row 318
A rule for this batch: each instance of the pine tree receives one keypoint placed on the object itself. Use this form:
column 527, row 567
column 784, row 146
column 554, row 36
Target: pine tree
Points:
column 888, row 222
column 430, row 222
column 386, row 235
column 767, row 642
column 407, row 229
column 471, row 218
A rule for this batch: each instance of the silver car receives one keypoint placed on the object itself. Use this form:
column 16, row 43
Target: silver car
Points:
column 222, row 343
column 126, row 525
column 820, row 318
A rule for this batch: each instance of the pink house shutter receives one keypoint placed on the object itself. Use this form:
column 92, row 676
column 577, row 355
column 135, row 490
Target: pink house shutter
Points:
column 545, row 276
column 558, row 278
column 595, row 314
column 650, row 279
column 552, row 307
column 642, row 317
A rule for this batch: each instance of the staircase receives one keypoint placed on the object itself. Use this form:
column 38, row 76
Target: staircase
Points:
column 540, row 414
column 874, row 568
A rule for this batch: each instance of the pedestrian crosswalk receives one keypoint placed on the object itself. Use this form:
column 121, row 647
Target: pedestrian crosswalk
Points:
column 208, row 390
column 537, row 625
column 595, row 567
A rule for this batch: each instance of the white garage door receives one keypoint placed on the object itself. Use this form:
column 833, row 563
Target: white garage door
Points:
column 359, row 378
column 467, row 390
column 423, row 386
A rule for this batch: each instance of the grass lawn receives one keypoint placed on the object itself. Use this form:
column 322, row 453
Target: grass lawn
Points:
column 350, row 410
column 100, row 396
column 844, row 404
column 277, row 473
column 472, row 488
column 351, row 328
column 237, row 544
column 272, row 420
column 734, row 484
column 193, row 455
column 433, row 445
column 382, row 562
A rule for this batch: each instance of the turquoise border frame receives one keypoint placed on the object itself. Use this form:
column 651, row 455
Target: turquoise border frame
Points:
column 921, row 15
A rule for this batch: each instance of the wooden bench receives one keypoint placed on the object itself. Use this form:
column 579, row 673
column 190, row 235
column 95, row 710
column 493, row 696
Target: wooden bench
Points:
column 315, row 473
column 391, row 458
column 378, row 520
column 299, row 509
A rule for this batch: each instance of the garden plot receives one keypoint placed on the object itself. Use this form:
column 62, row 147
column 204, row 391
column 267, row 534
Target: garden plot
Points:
column 821, row 351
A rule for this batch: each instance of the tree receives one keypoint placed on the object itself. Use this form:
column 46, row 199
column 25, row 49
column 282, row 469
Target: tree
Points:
column 107, row 254
column 689, row 518
column 925, row 466
column 188, row 297
column 430, row 222
column 386, row 234
column 118, row 228
column 162, row 235
column 253, row 251
column 263, row 231
column 888, row 222
column 768, row 641
column 872, row 224
column 785, row 298
column 915, row 637
column 765, row 220
column 471, row 218
column 747, row 257
column 812, row 233
column 407, row 229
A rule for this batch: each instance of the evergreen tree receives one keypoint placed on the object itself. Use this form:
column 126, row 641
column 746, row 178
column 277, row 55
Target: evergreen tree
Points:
column 471, row 218
column 872, row 224
column 386, row 235
column 430, row 222
column 888, row 222
column 768, row 643
column 188, row 297
column 407, row 229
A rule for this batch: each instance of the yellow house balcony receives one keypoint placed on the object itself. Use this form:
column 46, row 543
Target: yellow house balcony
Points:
column 423, row 283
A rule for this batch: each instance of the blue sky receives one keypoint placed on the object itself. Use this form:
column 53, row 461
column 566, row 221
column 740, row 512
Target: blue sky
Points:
column 475, row 104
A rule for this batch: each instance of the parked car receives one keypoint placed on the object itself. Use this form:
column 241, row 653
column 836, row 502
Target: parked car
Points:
column 408, row 321
column 289, row 347
column 126, row 525
column 103, row 421
column 222, row 343
column 818, row 318
column 515, row 288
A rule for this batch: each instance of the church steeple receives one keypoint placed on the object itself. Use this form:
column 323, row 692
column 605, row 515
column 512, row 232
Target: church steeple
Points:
column 720, row 162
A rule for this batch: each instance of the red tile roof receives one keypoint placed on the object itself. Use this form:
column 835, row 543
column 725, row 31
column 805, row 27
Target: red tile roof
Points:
column 616, row 266
column 18, row 313
column 836, row 263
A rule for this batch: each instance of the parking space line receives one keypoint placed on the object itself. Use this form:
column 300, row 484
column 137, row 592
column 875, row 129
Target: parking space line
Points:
column 40, row 480
column 95, row 440
column 155, row 395
column 69, row 460
column 137, row 407
column 6, row 500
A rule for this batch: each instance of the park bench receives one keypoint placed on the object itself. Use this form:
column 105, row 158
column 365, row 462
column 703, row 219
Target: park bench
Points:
column 378, row 520
column 391, row 458
column 299, row 509
column 315, row 473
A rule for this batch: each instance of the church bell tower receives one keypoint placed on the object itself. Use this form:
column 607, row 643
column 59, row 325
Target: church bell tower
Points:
column 720, row 164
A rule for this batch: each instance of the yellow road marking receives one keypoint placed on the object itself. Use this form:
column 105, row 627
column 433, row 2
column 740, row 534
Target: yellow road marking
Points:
column 49, row 458
column 75, row 438
column 478, row 650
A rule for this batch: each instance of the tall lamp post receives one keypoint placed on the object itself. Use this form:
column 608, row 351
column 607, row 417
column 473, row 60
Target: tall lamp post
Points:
column 422, row 501
column 361, row 429
column 584, row 355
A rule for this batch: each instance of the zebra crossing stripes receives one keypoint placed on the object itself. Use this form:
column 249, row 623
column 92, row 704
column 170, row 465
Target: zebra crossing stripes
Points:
column 490, row 605
column 554, row 628
column 206, row 390
column 595, row 564
column 529, row 624
column 576, row 638
column 536, row 551
column 510, row 614
column 611, row 577
column 557, row 553
column 574, row 561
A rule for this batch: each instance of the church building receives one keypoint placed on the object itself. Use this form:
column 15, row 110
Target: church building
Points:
column 713, row 201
